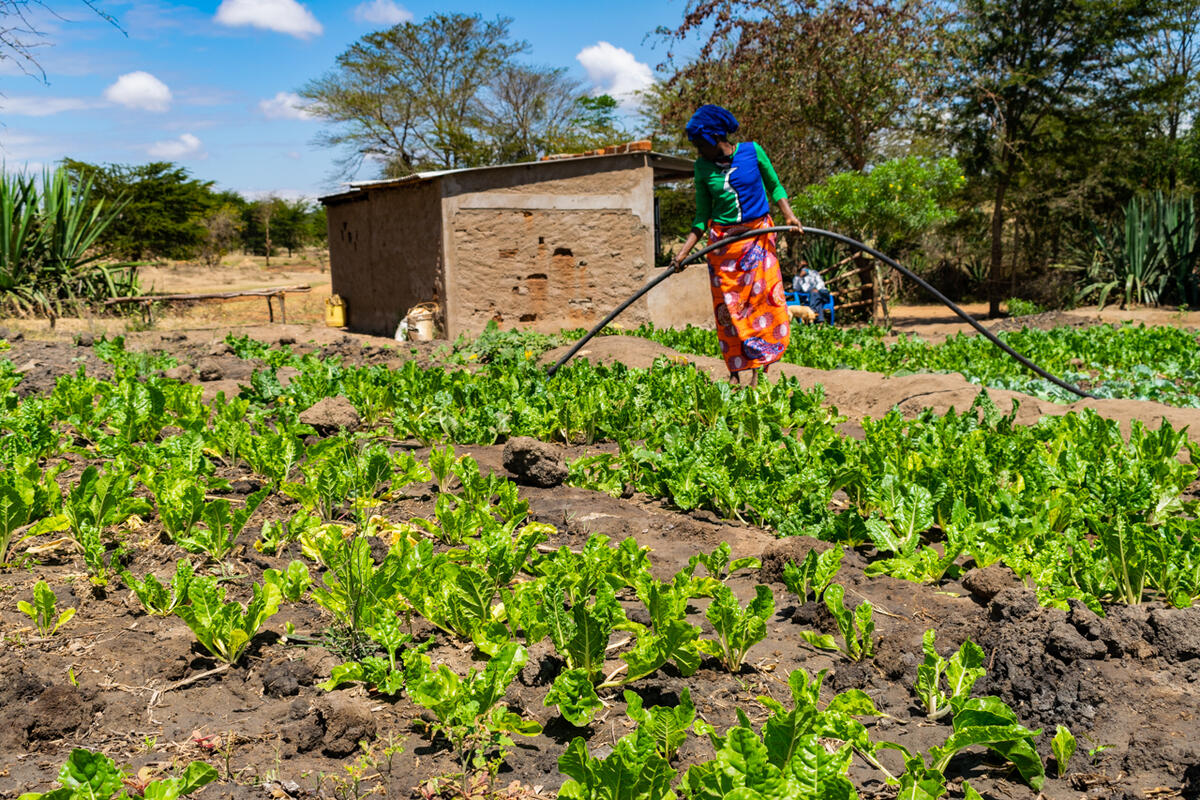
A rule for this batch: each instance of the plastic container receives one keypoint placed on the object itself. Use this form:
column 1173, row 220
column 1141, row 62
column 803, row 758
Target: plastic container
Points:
column 335, row 311
column 420, row 322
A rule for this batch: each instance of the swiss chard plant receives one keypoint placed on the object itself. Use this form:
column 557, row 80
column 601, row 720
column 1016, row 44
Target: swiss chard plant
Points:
column 292, row 582
column 856, row 628
column 634, row 770
column 470, row 711
column 87, row 775
column 217, row 535
column 225, row 629
column 959, row 673
column 97, row 502
column 665, row 727
column 44, row 611
column 809, row 578
column 737, row 628
column 156, row 598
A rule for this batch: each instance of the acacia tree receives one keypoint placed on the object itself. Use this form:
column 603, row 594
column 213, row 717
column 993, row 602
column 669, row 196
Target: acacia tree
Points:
column 20, row 36
column 825, row 86
column 1029, row 79
column 1168, row 66
column 527, row 108
column 409, row 96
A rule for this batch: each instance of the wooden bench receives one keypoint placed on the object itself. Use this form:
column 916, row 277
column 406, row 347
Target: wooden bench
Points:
column 147, row 301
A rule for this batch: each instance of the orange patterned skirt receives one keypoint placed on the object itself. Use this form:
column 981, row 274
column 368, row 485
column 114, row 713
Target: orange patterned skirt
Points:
column 753, row 324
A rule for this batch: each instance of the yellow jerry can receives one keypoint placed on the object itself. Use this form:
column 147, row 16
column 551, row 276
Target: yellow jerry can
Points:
column 335, row 311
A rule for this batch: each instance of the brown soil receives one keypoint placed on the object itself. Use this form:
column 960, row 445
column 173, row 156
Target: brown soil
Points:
column 141, row 690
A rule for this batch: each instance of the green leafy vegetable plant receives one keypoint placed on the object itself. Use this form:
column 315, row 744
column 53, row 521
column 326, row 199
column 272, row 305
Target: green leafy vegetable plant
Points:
column 634, row 770
column 665, row 726
column 738, row 629
column 857, row 627
column 1063, row 747
column 292, row 582
column 217, row 535
column 809, row 579
column 156, row 598
column 44, row 609
column 470, row 711
column 226, row 628
column 960, row 673
column 87, row 775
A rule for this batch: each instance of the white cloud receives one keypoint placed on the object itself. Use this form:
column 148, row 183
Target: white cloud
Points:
column 382, row 12
column 285, row 105
column 282, row 16
column 613, row 70
column 43, row 106
column 139, row 90
column 186, row 146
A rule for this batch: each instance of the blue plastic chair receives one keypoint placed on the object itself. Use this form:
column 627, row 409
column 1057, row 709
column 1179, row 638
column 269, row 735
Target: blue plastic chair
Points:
column 801, row 298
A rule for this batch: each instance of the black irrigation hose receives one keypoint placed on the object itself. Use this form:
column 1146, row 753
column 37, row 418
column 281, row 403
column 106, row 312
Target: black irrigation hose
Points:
column 846, row 240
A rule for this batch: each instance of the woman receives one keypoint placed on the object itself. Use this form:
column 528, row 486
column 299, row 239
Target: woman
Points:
column 734, row 184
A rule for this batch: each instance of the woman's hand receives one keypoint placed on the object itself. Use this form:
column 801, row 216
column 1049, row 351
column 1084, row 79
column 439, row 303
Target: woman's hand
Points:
column 677, row 264
column 790, row 219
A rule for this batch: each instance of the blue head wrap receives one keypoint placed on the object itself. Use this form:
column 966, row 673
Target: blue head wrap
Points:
column 710, row 123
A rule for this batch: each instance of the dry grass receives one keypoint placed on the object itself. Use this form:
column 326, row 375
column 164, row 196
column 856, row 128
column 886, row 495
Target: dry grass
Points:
column 236, row 273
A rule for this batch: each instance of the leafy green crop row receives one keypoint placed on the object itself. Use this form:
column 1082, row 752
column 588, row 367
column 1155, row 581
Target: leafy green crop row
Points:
column 1129, row 361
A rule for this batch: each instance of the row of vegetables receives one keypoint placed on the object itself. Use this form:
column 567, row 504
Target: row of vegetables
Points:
column 1068, row 504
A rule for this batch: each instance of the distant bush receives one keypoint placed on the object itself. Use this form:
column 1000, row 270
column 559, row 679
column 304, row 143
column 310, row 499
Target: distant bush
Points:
column 49, row 256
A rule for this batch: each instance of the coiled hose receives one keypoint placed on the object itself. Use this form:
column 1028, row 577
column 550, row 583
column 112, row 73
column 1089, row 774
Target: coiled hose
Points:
column 837, row 237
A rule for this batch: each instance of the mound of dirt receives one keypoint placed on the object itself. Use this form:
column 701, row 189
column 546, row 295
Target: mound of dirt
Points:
column 534, row 463
column 1044, row 321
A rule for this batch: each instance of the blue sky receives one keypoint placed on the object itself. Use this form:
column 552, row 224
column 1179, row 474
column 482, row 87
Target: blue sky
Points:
column 207, row 84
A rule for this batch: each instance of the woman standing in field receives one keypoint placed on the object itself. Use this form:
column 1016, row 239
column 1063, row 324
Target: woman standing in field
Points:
column 734, row 186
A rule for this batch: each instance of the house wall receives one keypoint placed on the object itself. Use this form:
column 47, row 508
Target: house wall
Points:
column 553, row 246
column 385, row 249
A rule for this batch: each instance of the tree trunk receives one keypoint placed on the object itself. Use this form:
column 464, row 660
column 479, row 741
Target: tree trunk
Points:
column 996, row 265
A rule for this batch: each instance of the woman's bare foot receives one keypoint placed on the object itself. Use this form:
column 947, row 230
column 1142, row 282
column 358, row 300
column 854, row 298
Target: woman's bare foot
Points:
column 754, row 377
column 735, row 379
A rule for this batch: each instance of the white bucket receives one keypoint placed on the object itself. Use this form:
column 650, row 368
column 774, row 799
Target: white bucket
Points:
column 420, row 322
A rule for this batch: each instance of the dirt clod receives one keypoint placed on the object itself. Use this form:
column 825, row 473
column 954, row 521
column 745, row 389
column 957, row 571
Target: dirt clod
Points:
column 330, row 415
column 84, row 340
column 182, row 373
column 984, row 584
column 534, row 463
column 59, row 711
column 347, row 722
column 209, row 369
column 1176, row 632
column 285, row 678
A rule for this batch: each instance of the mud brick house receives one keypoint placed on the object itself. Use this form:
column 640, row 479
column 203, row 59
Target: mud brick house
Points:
column 544, row 245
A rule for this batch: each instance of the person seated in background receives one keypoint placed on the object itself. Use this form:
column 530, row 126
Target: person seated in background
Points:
column 809, row 282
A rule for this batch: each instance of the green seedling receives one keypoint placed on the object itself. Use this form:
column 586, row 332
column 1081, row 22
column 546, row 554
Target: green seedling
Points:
column 218, row 533
column 292, row 583
column 156, row 598
column 857, row 627
column 43, row 610
column 1063, row 747
column 960, row 672
column 738, row 629
column 809, row 579
column 276, row 535
column 225, row 629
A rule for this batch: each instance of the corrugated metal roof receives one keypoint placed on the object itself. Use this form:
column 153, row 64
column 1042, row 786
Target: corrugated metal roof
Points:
column 681, row 166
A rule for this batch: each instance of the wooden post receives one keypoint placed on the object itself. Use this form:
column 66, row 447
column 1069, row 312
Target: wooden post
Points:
column 270, row 310
column 282, row 308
